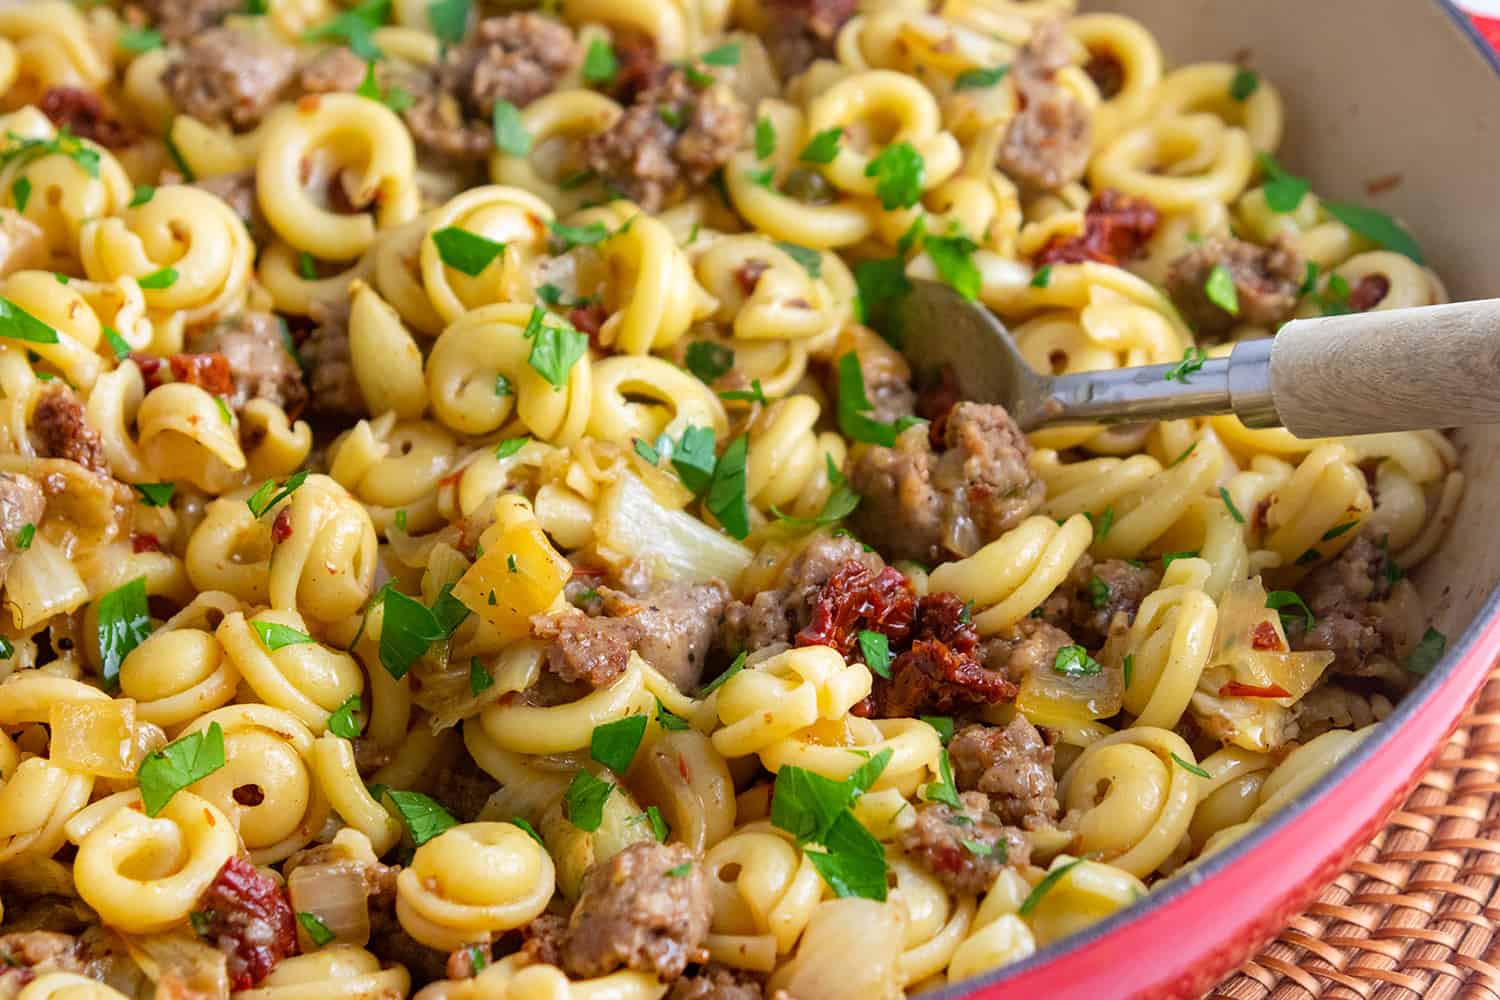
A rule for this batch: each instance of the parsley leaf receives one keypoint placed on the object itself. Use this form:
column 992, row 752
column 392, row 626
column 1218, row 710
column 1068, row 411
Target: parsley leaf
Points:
column 520, row 823
column 1234, row 511
column 568, row 237
column 1220, row 290
column 659, row 828
column 942, row 723
column 162, row 277
column 765, row 137
column 614, row 744
column 1172, row 557
column 880, row 281
column 708, row 360
column 449, row 19
column 480, row 679
column 156, row 494
column 1102, row 523
column 823, row 147
column 1283, row 191
column 898, row 171
column 263, row 499
column 979, row 77
column 1278, row 599
column 20, row 191
column 840, row 503
column 342, row 722
column 854, row 406
column 854, row 863
column 718, row 682
column 274, row 635
column 694, row 459
column 124, row 623
column 599, row 63
column 466, row 252
column 810, row 260
column 1192, row 361
column 1428, row 652
column 1189, row 767
column 668, row 721
column 754, row 394
column 423, row 816
column 726, row 493
column 1043, row 277
column 725, row 55
column 644, row 449
column 1074, row 661
column 1338, row 530
column 554, row 349
column 406, row 630
column 18, row 324
column 875, row 647
column 1128, row 668
column 585, row 798
column 140, row 39
column 1045, row 886
column 316, row 929
column 1377, row 227
column 510, row 446
column 354, row 27
column 510, row 131
column 1245, row 82
column 1098, row 592
column 19, row 149
column 944, row 790
column 953, row 256
column 179, row 764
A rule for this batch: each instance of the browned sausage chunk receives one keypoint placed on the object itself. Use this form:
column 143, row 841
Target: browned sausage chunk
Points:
column 1046, row 145
column 717, row 982
column 592, row 651
column 1030, row 644
column 1094, row 593
column 1350, row 620
column 259, row 364
column 775, row 615
column 647, row 908
column 333, row 391
column 933, row 506
column 678, row 623
column 230, row 75
column 64, row 431
column 1267, row 283
column 966, row 848
column 180, row 20
column 21, row 503
column 1013, row 766
column 668, row 142
column 800, row 31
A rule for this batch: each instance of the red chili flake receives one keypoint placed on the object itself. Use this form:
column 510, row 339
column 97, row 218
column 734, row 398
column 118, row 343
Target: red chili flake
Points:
column 1116, row 227
column 84, row 113
column 281, row 527
column 209, row 372
column 856, row 599
column 682, row 769
column 747, row 275
column 1265, row 638
column 1234, row 689
column 1380, row 185
column 248, row 918
column 144, row 542
column 1369, row 292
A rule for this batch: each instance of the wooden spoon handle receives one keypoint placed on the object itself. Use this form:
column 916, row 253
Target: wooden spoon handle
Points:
column 1436, row 366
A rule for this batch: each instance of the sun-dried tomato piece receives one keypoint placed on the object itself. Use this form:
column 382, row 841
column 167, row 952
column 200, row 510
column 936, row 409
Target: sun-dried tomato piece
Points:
column 933, row 678
column 144, row 541
column 209, row 372
column 1369, row 292
column 1116, row 227
column 246, row 915
column 1234, row 689
column 85, row 115
column 589, row 319
column 857, row 599
column 1265, row 638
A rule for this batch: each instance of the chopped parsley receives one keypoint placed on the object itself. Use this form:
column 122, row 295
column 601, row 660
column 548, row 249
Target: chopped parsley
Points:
column 823, row 147
column 179, row 764
column 124, row 623
column 719, row 681
column 1172, row 557
column 854, row 408
column 510, row 131
column 449, row 19
column 1279, row 599
column 1098, row 592
column 659, row 828
column 20, row 192
column 520, row 823
column 898, row 171
column 140, row 39
column 307, row 267
column 708, row 360
column 274, row 635
column 1219, row 289
column 1377, row 227
column 809, row 259
column 1102, row 524
column 466, row 252
column 1190, row 768
column 19, row 149
column 1074, row 661
column 554, row 349
column 24, row 536
column 840, row 503
column 942, row 723
column 944, row 790
column 1338, row 530
column 342, row 722
column 510, row 446
column 694, row 458
column 1043, row 277
column 356, row 26
column 18, row 324
column 1428, row 652
column 266, row 497
column 1128, row 668
column 585, row 798
column 316, row 929
column 953, row 256
column 725, row 55
column 162, row 277
column 156, row 494
column 614, row 744
column 1191, row 363
column 726, row 498
column 1283, row 191
column 875, row 647
column 423, row 816
column 480, row 679
column 1234, row 511
column 765, row 137
column 1045, row 886
column 1245, row 82
column 679, row 870
column 600, row 64
column 974, row 78
column 816, row 810
column 567, row 237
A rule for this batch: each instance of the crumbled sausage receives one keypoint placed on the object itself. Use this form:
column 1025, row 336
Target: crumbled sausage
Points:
column 1094, row 593
column 24, row 955
column 230, row 75
column 333, row 390
column 1012, row 765
column 1334, row 706
column 1029, row 645
column 773, row 616
column 941, row 672
column 647, row 908
column 84, row 113
column 592, row 651
column 23, row 244
column 1346, row 597
column 180, row 20
column 542, row 939
column 246, row 915
column 64, row 430
column 1267, row 283
column 931, row 506
column 800, row 31
column 1047, row 144
column 463, row 787
column 21, row 503
column 678, row 623
column 1116, row 228
column 335, row 70
column 669, row 141
column 258, row 361
column 966, row 848
column 717, row 982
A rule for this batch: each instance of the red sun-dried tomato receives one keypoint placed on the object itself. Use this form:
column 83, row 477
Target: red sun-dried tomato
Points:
column 857, row 599
column 84, row 114
column 144, row 541
column 589, row 319
column 1369, row 292
column 150, row 367
column 940, row 673
column 1265, row 638
column 1234, row 689
column 246, row 915
column 1116, row 227
column 209, row 372
column 747, row 275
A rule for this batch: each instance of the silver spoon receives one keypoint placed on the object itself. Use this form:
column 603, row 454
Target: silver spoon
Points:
column 1400, row 369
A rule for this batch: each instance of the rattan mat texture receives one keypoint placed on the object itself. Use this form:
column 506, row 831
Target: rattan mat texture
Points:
column 1418, row 912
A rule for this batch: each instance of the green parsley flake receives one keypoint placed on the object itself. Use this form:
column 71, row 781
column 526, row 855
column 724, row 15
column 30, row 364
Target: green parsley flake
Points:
column 708, row 360
column 1190, row 767
column 1192, row 362
column 1043, row 277
column 554, row 349
column 953, row 256
column 973, row 78
column 614, row 744
column 1428, row 652
column 754, row 394
column 1283, row 191
column 179, row 764
column 719, row 681
column 1172, row 557
column 1220, row 290
column 1245, row 82
column 840, row 503
column 1074, row 661
column 25, row 536
column 156, row 494
column 18, row 324
column 568, row 237
column 726, row 498
column 274, row 635
column 585, row 799
column 424, row 817
column 20, row 192
column 316, row 929
column 725, row 55
column 162, row 277
column 765, row 137
column 942, row 723
column 898, row 171
column 267, row 497
column 1098, row 592
column 530, row 831
column 355, row 27
column 124, row 623
column 875, row 647
column 854, row 408
column 342, row 722
column 1234, row 511
column 659, row 828
column 480, row 678
column 668, row 721
column 510, row 446
column 307, row 268
column 1278, row 599
column 1128, row 668
column 510, row 131
column 809, row 259
column 449, row 19
column 944, row 790
column 140, row 39
column 1046, row 885
column 1338, row 530
column 599, row 63
column 823, row 147
column 466, row 252
column 1377, row 227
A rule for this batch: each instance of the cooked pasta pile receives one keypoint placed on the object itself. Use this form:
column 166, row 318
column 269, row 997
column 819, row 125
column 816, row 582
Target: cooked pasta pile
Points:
column 466, row 524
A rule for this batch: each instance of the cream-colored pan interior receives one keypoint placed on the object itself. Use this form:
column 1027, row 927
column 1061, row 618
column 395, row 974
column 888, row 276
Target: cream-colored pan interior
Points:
column 1375, row 88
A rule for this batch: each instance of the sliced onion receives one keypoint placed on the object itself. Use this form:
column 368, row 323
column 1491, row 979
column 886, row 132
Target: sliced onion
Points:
column 334, row 892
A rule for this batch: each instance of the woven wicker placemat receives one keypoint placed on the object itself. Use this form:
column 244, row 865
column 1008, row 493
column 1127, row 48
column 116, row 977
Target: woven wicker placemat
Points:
column 1418, row 912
